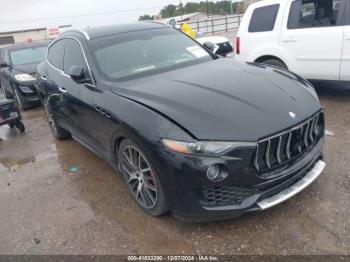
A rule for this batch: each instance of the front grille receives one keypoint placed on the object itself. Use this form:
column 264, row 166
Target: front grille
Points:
column 225, row 195
column 276, row 151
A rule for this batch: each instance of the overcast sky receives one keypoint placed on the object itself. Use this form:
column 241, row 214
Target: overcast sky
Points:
column 28, row 14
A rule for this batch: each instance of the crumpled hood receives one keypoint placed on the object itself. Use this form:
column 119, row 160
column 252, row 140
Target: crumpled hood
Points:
column 224, row 99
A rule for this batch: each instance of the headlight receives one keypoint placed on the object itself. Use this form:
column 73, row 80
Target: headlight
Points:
column 204, row 147
column 24, row 77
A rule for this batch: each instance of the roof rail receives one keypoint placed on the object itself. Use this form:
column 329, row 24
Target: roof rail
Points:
column 79, row 31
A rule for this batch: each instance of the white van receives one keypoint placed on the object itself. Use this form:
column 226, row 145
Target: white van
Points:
column 308, row 37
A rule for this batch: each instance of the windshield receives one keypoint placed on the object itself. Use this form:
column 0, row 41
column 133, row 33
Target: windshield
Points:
column 147, row 52
column 28, row 55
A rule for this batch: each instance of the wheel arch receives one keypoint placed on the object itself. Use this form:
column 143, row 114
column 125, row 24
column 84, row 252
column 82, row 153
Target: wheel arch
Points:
column 269, row 57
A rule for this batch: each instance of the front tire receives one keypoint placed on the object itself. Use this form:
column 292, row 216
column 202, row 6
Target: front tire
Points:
column 142, row 178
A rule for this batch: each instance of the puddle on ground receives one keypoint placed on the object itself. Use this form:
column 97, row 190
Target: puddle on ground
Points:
column 14, row 164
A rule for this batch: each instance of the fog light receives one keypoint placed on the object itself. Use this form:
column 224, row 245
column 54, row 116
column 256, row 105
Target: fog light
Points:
column 215, row 173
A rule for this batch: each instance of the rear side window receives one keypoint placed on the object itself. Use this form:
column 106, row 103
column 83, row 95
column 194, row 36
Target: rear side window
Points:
column 263, row 19
column 316, row 13
column 73, row 55
column 56, row 54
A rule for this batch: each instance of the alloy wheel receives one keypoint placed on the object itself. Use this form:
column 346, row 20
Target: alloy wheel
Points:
column 139, row 177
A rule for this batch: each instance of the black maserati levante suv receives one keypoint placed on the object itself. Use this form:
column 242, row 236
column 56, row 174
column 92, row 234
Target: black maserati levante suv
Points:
column 17, row 71
column 205, row 137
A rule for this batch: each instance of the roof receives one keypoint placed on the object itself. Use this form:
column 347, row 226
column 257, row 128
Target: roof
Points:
column 97, row 32
column 24, row 45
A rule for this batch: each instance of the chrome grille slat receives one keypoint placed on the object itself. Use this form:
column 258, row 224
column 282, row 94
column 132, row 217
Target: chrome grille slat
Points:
column 288, row 146
column 256, row 164
column 276, row 150
column 306, row 142
column 311, row 131
column 267, row 154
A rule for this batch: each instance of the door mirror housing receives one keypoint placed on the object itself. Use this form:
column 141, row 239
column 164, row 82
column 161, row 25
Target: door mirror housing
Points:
column 78, row 74
column 210, row 46
column 172, row 22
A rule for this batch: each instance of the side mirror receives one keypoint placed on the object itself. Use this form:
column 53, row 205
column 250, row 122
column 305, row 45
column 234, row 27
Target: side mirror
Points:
column 172, row 22
column 77, row 73
column 210, row 46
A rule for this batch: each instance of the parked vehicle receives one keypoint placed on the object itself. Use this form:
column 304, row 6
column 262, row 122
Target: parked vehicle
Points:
column 309, row 37
column 217, row 44
column 222, row 46
column 17, row 72
column 9, row 114
column 206, row 137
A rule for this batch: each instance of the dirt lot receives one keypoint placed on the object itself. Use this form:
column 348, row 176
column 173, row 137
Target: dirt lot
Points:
column 47, row 209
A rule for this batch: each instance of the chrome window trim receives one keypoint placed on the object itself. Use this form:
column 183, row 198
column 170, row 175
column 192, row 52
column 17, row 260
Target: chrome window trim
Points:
column 80, row 31
column 82, row 49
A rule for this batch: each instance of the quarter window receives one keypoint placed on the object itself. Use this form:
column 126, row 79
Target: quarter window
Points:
column 263, row 19
column 56, row 54
column 316, row 13
column 73, row 55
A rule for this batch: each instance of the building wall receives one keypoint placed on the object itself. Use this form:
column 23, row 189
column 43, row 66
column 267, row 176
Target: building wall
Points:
column 40, row 34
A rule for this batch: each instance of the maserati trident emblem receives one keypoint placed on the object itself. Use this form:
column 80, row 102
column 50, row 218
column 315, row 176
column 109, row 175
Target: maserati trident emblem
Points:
column 292, row 115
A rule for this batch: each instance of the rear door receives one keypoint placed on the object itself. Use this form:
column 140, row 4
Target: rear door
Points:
column 345, row 64
column 313, row 37
column 56, row 93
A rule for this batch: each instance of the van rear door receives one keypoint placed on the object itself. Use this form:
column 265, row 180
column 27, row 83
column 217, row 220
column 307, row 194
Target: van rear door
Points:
column 313, row 37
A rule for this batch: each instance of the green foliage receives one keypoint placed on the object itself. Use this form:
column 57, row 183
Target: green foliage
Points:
column 213, row 8
column 145, row 17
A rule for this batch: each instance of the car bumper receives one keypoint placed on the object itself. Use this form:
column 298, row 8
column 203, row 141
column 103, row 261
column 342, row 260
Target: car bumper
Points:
column 185, row 183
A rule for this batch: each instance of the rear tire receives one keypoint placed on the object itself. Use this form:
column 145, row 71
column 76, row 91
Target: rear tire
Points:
column 275, row 62
column 142, row 178
column 20, row 126
column 59, row 132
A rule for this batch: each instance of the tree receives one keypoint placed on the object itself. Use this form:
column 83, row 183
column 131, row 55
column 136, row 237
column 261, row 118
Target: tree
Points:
column 169, row 11
column 145, row 17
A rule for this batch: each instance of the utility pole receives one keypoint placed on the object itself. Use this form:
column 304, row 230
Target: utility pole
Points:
column 181, row 9
column 231, row 11
column 207, row 9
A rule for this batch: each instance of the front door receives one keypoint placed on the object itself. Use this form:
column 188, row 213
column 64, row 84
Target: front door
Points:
column 313, row 37
column 80, row 97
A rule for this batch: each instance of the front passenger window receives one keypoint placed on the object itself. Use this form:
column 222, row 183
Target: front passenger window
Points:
column 74, row 56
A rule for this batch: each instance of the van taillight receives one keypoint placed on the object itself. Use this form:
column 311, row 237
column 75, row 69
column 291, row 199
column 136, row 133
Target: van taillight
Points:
column 238, row 45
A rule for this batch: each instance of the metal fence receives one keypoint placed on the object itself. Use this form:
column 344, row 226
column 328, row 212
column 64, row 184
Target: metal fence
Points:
column 217, row 24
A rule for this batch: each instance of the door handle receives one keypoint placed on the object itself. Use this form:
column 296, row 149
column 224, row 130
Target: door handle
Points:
column 62, row 89
column 43, row 78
